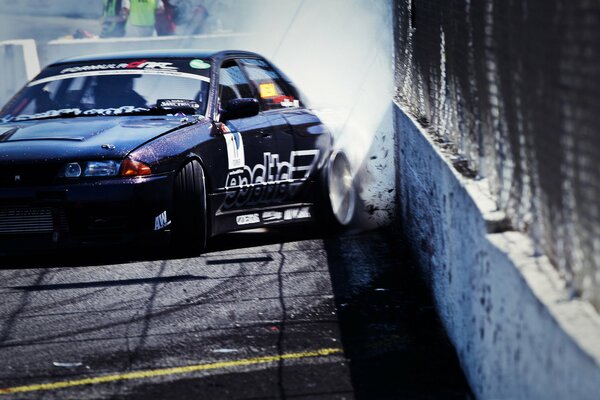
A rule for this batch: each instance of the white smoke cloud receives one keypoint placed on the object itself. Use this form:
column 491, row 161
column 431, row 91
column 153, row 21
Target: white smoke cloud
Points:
column 338, row 52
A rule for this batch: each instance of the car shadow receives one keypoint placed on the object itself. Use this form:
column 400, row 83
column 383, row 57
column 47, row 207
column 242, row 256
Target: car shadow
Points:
column 389, row 327
column 86, row 257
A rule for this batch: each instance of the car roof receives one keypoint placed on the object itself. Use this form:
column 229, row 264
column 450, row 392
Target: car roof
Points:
column 166, row 53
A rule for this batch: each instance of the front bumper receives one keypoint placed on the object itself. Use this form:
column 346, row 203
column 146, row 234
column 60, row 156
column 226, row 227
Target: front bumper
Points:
column 107, row 211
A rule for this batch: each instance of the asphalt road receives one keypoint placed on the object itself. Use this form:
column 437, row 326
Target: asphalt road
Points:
column 260, row 315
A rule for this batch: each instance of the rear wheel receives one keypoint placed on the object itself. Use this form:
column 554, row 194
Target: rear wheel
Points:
column 189, row 215
column 340, row 192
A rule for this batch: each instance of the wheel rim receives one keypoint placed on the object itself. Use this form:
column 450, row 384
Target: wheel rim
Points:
column 342, row 195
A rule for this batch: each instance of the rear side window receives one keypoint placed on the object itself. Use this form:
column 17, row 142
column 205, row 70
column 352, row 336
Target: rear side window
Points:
column 270, row 86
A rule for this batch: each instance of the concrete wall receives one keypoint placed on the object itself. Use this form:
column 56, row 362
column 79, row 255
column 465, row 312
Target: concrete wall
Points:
column 517, row 333
column 19, row 60
column 63, row 48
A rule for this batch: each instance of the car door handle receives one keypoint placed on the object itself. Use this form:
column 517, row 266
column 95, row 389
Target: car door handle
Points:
column 265, row 134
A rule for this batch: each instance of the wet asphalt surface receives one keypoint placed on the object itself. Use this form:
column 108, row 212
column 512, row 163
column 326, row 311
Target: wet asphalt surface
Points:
column 282, row 314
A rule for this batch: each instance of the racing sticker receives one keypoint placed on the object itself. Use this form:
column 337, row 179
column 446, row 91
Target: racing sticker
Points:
column 296, row 213
column 247, row 219
column 270, row 216
column 142, row 64
column 77, row 111
column 161, row 221
column 289, row 102
column 235, row 150
column 272, row 181
column 199, row 64
column 168, row 104
column 267, row 90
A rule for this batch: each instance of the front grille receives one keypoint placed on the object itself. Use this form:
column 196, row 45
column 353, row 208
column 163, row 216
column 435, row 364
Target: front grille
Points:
column 14, row 220
column 28, row 175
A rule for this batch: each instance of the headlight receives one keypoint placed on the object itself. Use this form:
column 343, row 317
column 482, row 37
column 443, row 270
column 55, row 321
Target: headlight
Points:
column 91, row 169
column 72, row 170
column 101, row 168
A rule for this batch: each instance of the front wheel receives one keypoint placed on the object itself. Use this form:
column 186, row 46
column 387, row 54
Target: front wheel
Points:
column 340, row 191
column 189, row 216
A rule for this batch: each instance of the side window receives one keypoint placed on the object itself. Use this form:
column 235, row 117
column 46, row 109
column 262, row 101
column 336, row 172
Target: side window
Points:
column 232, row 83
column 273, row 92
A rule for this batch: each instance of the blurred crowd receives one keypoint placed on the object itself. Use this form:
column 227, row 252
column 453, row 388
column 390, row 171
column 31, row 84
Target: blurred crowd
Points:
column 152, row 17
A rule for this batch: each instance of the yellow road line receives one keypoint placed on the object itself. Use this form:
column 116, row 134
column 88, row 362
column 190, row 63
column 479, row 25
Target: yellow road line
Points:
column 168, row 371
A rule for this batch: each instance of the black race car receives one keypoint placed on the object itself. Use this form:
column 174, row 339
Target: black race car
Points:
column 183, row 144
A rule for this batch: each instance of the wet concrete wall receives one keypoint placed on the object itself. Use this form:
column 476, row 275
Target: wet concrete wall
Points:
column 517, row 331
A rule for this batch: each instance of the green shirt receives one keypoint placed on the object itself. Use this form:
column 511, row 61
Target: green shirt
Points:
column 143, row 12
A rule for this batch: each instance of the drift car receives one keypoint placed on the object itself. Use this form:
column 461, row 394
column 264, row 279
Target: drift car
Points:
column 183, row 144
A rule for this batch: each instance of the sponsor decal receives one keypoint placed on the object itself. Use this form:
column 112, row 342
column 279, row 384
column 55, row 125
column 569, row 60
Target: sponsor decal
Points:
column 177, row 103
column 161, row 221
column 269, row 216
column 235, row 150
column 77, row 111
column 199, row 64
column 296, row 213
column 142, row 64
column 267, row 90
column 247, row 219
column 287, row 102
column 162, row 72
column 270, row 182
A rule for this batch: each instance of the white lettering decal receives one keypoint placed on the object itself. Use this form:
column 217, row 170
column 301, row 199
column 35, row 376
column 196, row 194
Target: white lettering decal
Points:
column 296, row 213
column 143, row 64
column 272, row 181
column 272, row 216
column 290, row 103
column 247, row 219
column 161, row 221
column 77, row 111
column 162, row 72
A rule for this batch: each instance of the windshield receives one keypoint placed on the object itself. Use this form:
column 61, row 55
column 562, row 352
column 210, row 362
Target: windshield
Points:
column 112, row 88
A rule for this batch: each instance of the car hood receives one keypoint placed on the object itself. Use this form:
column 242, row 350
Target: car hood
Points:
column 81, row 138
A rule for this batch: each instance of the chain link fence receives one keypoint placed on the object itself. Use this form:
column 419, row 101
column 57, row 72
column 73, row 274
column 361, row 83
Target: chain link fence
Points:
column 512, row 89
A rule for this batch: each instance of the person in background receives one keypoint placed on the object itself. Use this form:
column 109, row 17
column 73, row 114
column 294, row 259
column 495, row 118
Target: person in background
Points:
column 190, row 16
column 114, row 17
column 142, row 16
column 165, row 21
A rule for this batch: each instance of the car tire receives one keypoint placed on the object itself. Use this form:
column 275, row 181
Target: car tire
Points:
column 339, row 198
column 189, row 215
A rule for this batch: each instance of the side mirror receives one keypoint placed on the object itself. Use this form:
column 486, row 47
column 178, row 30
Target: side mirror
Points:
column 239, row 108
